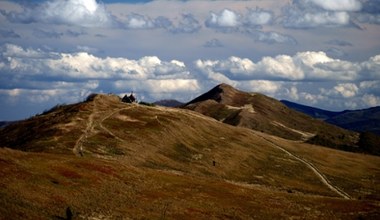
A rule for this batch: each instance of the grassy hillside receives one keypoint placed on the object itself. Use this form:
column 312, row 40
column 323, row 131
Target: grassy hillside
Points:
column 104, row 159
column 265, row 114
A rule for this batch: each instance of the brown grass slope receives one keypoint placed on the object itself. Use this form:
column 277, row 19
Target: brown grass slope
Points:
column 109, row 160
column 265, row 114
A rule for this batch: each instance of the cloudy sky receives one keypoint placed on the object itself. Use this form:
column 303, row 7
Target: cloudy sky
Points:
column 315, row 52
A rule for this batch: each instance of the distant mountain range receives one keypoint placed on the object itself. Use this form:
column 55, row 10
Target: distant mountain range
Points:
column 364, row 120
column 168, row 103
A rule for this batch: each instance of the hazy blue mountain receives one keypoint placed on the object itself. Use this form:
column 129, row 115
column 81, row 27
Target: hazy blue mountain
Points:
column 363, row 120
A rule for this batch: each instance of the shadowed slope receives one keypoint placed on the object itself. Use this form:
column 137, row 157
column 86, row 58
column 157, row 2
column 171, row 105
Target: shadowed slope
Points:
column 362, row 120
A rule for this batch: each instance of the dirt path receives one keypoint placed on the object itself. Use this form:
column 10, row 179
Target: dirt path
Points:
column 90, row 124
column 311, row 166
column 107, row 130
column 78, row 147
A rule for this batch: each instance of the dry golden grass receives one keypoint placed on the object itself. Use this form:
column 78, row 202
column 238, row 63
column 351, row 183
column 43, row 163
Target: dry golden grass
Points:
column 143, row 162
column 41, row 186
column 268, row 115
column 357, row 174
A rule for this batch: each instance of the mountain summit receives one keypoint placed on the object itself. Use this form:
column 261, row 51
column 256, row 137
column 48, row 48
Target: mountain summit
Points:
column 262, row 113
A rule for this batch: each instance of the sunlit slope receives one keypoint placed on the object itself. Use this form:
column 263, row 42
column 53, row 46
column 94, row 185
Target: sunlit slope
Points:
column 44, row 186
column 108, row 159
column 265, row 114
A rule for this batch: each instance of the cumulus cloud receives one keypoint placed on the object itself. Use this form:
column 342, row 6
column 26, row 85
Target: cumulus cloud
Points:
column 82, row 65
column 371, row 100
column 160, row 86
column 137, row 21
column 304, row 66
column 261, row 86
column 349, row 95
column 319, row 13
column 271, row 37
column 58, row 92
column 186, row 24
column 87, row 13
column 346, row 89
column 46, row 75
column 250, row 23
column 229, row 20
column 300, row 19
column 258, row 17
column 293, row 93
column 338, row 5
column 226, row 19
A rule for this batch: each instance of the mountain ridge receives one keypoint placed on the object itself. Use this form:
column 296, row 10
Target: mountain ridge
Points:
column 265, row 114
column 360, row 120
column 159, row 162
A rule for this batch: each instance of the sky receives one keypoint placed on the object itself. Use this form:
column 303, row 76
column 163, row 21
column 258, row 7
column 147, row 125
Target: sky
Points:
column 319, row 53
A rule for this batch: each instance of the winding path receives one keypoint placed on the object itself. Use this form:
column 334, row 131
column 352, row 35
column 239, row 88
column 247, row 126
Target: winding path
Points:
column 311, row 166
column 106, row 129
column 78, row 147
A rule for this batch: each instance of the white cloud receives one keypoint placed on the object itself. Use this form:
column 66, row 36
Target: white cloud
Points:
column 228, row 20
column 301, row 19
column 371, row 100
column 71, row 76
column 261, row 86
column 346, row 89
column 281, row 66
column 58, row 92
column 82, row 65
column 87, row 13
column 224, row 19
column 319, row 13
column 338, row 5
column 293, row 93
column 305, row 66
column 271, row 37
column 258, row 17
column 186, row 24
column 160, row 86
column 137, row 21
